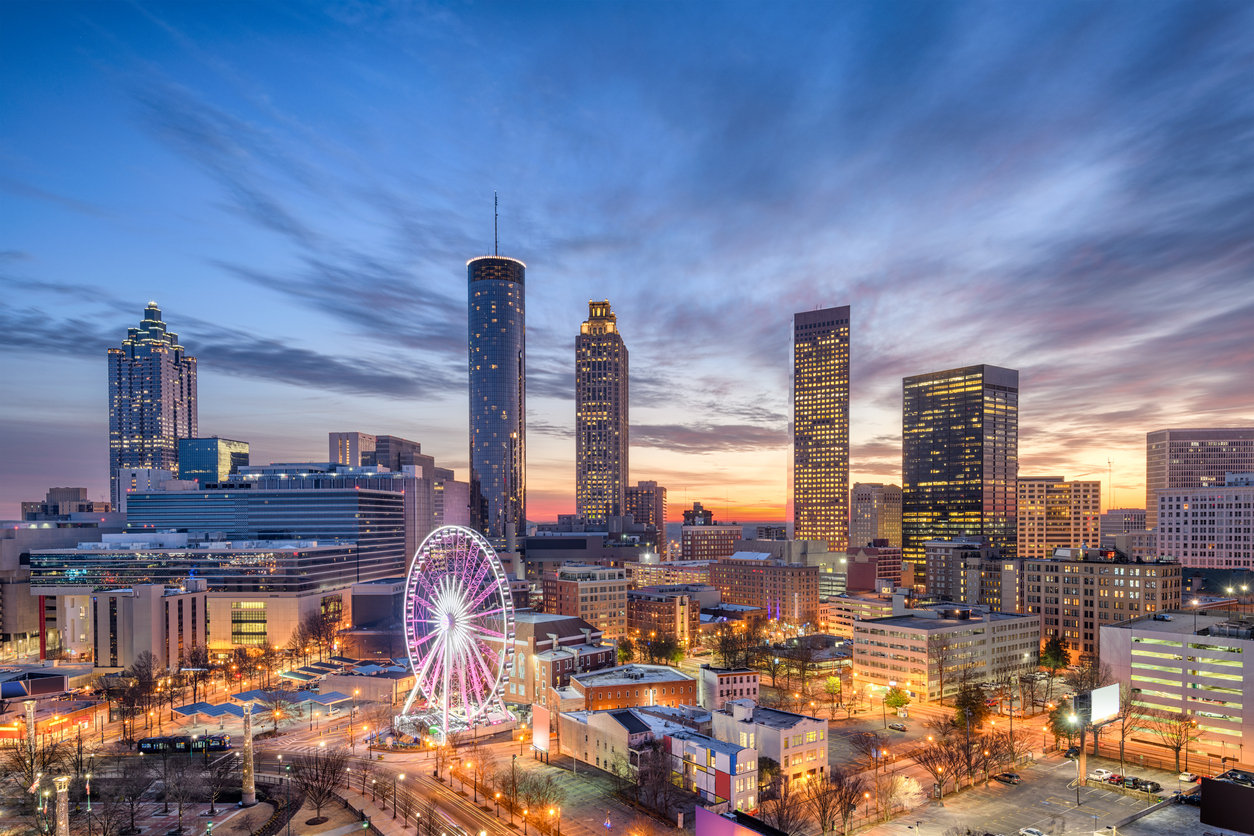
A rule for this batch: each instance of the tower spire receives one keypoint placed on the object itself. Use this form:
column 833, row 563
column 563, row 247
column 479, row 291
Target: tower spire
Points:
column 496, row 241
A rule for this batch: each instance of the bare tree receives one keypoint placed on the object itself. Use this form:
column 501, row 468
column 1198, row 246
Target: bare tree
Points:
column 23, row 763
column 510, row 782
column 939, row 728
column 1128, row 722
column 939, row 647
column 132, row 778
column 654, row 780
column 869, row 745
column 182, row 784
column 318, row 776
column 217, row 776
column 542, row 792
column 787, row 809
column 428, row 820
column 847, row 788
column 901, row 791
column 820, row 799
column 1174, row 728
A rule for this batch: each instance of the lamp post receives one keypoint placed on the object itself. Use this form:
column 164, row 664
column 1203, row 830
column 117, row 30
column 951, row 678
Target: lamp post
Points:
column 395, row 778
column 474, row 785
column 498, row 805
column 1073, row 719
column 525, row 811
column 558, row 812
column 866, row 805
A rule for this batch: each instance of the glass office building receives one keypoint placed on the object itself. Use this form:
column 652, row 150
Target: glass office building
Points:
column 211, row 460
column 820, row 412
column 152, row 399
column 373, row 520
column 959, row 458
column 601, row 429
column 498, row 396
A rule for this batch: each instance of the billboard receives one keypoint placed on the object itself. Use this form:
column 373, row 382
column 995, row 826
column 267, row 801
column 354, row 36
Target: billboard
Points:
column 539, row 728
column 1105, row 704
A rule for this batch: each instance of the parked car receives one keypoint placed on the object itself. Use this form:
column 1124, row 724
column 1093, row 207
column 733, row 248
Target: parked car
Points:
column 897, row 726
column 1149, row 786
column 1030, row 831
column 1194, row 799
column 1188, row 777
column 1008, row 778
column 1074, row 751
column 1116, row 779
column 1100, row 774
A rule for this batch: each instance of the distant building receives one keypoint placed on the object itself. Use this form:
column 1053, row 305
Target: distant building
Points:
column 858, row 606
column 450, row 499
column 698, row 515
column 136, row 480
column 356, row 449
column 650, row 573
column 498, row 396
column 796, row 742
column 152, row 399
column 719, row 686
column 601, row 416
column 934, row 651
column 1056, row 514
column 1138, row 545
column 772, row 532
column 874, row 514
column 211, row 460
column 831, row 565
column 652, row 611
column 1208, row 528
column 59, row 503
column 1120, row 521
column 628, row 686
column 548, row 650
column 1180, row 461
column 596, row 594
column 959, row 458
column 165, row 621
column 788, row 592
column 646, row 502
column 709, row 542
column 969, row 571
column 820, row 413
column 866, row 566
column 545, row 552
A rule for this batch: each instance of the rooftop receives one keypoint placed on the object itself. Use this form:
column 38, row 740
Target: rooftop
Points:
column 927, row 622
column 1181, row 624
column 771, row 717
column 627, row 674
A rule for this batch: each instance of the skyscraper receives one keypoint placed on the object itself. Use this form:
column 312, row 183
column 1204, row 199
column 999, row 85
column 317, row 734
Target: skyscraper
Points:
column 152, row 399
column 1198, row 458
column 959, row 458
column 646, row 502
column 820, row 421
column 601, row 433
column 498, row 396
column 874, row 514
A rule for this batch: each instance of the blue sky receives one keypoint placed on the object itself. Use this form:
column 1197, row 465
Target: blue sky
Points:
column 1061, row 188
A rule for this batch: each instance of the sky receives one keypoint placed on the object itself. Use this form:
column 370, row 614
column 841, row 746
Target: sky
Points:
column 1066, row 189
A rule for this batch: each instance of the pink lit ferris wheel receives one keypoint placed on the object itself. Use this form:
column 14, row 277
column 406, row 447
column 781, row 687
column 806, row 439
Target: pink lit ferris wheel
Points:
column 459, row 627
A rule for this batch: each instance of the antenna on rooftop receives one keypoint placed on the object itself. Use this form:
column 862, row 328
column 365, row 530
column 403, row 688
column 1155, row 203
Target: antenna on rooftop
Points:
column 496, row 241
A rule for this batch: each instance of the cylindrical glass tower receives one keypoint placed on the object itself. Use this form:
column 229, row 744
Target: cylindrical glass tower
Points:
column 498, row 396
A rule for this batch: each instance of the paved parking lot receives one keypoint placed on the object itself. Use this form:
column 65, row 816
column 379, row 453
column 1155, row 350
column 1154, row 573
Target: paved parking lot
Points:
column 1045, row 800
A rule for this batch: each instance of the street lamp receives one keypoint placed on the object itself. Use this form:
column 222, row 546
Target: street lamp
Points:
column 866, row 805
column 474, row 785
column 1073, row 718
column 525, row 811
column 498, row 805
column 396, row 778
column 558, row 812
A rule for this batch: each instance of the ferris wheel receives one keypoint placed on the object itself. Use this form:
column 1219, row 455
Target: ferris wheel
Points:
column 459, row 624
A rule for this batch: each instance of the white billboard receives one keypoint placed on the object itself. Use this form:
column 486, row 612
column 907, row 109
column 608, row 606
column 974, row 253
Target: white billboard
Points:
column 1105, row 704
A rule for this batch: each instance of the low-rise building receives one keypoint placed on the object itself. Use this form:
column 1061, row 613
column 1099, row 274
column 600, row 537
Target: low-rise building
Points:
column 627, row 686
column 717, row 686
column 723, row 774
column 788, row 592
column 929, row 652
column 797, row 742
column 548, row 650
column 652, row 611
column 597, row 594
column 644, row 573
column 149, row 618
column 1191, row 663
column 866, row 566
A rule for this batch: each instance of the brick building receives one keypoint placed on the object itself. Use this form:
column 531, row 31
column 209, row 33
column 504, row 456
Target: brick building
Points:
column 653, row 610
column 628, row 686
column 548, row 650
column 788, row 592
column 597, row 594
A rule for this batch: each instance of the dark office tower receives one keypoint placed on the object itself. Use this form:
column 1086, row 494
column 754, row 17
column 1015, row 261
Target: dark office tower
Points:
column 211, row 460
column 820, row 421
column 498, row 398
column 1193, row 458
column 959, row 458
column 600, row 416
column 152, row 399
column 646, row 501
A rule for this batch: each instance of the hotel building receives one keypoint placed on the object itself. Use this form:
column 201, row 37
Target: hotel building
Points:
column 1208, row 528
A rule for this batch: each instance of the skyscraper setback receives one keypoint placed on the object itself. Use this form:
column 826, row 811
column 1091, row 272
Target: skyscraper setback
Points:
column 601, row 430
column 959, row 458
column 152, row 399
column 820, row 407
column 498, row 395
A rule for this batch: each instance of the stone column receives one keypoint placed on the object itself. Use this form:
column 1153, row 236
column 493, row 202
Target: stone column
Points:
column 30, row 724
column 63, row 805
column 249, row 796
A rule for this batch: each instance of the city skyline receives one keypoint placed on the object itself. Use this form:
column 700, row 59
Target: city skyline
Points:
column 299, row 191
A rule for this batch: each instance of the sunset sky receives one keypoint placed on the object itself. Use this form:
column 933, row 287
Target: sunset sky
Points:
column 1066, row 189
